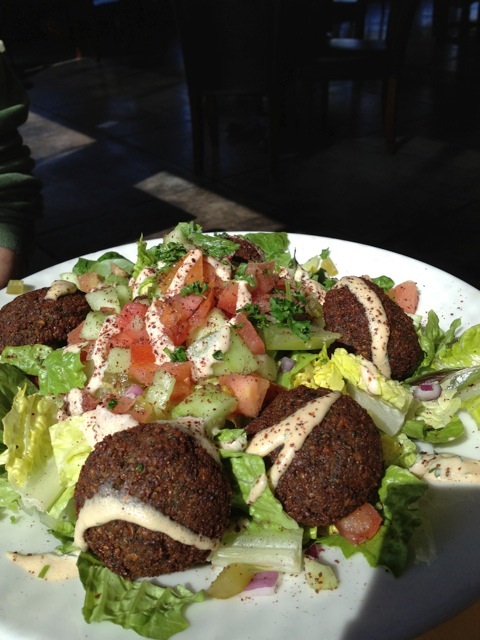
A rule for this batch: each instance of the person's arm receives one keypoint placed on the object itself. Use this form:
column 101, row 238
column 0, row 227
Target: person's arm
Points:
column 20, row 191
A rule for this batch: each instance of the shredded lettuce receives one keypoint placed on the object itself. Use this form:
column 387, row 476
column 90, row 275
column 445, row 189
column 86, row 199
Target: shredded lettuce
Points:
column 150, row 610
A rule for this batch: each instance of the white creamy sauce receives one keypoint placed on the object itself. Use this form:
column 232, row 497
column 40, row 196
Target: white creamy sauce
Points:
column 223, row 270
column 244, row 296
column 309, row 287
column 99, row 355
column 105, row 508
column 446, row 468
column 179, row 279
column 369, row 376
column 203, row 359
column 258, row 487
column 47, row 566
column 291, row 432
column 159, row 340
column 60, row 288
column 74, row 401
column 377, row 320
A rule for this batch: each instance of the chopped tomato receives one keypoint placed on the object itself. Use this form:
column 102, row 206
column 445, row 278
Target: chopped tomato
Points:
column 249, row 391
column 193, row 272
column 182, row 372
column 263, row 272
column 360, row 525
column 227, row 299
column 175, row 313
column 74, row 335
column 141, row 354
column 405, row 295
column 143, row 372
column 248, row 334
column 128, row 404
column 89, row 281
column 131, row 322
column 199, row 316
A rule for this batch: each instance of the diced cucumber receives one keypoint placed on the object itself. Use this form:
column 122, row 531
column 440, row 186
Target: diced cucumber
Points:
column 69, row 277
column 104, row 298
column 283, row 339
column 123, row 292
column 237, row 359
column 267, row 367
column 216, row 319
column 118, row 360
column 160, row 391
column 93, row 324
column 208, row 402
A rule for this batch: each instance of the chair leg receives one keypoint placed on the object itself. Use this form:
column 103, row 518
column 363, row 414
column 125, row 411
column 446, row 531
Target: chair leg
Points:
column 390, row 114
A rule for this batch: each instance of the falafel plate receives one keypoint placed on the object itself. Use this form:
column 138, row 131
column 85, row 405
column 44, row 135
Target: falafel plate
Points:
column 220, row 416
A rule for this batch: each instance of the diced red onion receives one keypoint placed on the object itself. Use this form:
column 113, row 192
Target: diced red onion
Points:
column 263, row 583
column 314, row 550
column 133, row 391
column 427, row 391
column 286, row 364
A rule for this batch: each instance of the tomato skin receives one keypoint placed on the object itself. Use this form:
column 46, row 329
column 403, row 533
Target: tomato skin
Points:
column 248, row 334
column 131, row 322
column 182, row 372
column 360, row 525
column 74, row 335
column 175, row 312
column 405, row 294
column 227, row 299
column 249, row 391
column 263, row 272
column 143, row 372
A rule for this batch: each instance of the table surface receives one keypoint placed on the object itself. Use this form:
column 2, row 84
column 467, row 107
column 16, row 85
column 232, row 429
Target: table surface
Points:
column 464, row 625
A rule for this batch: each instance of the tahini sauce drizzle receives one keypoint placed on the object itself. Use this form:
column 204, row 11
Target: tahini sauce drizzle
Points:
column 103, row 508
column 291, row 432
column 377, row 320
column 446, row 468
column 47, row 566
column 60, row 288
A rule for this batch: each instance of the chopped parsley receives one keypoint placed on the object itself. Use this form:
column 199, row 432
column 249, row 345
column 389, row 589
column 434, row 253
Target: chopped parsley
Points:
column 195, row 288
column 289, row 313
column 179, row 354
column 112, row 403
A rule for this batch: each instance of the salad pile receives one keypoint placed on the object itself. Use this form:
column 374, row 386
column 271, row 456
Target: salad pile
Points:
column 185, row 331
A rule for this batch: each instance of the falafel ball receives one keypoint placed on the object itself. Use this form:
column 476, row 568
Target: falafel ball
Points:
column 344, row 313
column 30, row 318
column 339, row 466
column 166, row 468
column 246, row 251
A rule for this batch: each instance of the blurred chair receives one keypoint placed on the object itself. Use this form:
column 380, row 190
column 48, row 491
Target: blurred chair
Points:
column 351, row 12
column 231, row 48
column 358, row 60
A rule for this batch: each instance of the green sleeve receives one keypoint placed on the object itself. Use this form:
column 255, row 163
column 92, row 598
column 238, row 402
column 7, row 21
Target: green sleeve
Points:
column 20, row 191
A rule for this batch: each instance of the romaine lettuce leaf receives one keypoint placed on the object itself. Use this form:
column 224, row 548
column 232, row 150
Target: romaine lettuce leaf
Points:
column 9, row 498
column 150, row 610
column 461, row 353
column 70, row 450
column 434, row 341
column 102, row 265
column 28, row 458
column 58, row 370
column 399, row 492
column 11, row 379
column 245, row 469
column 313, row 370
column 274, row 246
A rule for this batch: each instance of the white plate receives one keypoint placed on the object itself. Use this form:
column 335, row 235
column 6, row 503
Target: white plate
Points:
column 369, row 604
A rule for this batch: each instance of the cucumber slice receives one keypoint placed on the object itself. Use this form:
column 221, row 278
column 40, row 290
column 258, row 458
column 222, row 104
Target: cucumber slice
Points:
column 208, row 402
column 283, row 339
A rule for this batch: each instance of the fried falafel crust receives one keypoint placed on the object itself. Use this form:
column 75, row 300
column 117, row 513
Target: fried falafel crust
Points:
column 338, row 468
column 246, row 251
column 169, row 470
column 30, row 318
column 344, row 314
